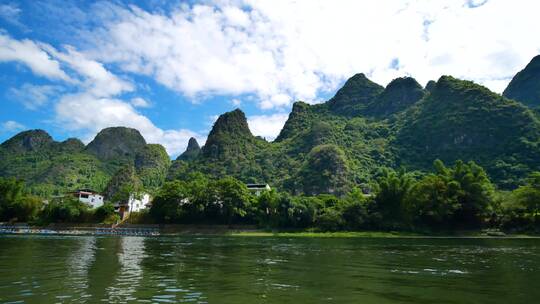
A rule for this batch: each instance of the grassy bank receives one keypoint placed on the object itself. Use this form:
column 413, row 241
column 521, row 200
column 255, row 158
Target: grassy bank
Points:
column 342, row 234
column 376, row 234
column 253, row 231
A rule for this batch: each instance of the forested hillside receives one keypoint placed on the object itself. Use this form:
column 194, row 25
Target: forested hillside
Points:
column 50, row 168
column 330, row 147
column 324, row 148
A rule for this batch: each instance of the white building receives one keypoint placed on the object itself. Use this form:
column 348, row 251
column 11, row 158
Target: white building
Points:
column 89, row 197
column 257, row 189
column 139, row 204
column 134, row 204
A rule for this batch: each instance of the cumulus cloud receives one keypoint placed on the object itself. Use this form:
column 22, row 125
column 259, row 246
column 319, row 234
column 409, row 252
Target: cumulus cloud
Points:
column 97, row 80
column 84, row 111
column 32, row 55
column 283, row 51
column 274, row 52
column 95, row 105
column 267, row 126
column 11, row 126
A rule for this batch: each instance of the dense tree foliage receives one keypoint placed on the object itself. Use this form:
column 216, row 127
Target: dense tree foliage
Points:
column 365, row 137
column 53, row 168
column 459, row 197
column 448, row 198
column 393, row 195
column 15, row 204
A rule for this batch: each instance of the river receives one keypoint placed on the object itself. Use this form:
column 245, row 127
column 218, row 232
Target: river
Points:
column 89, row 269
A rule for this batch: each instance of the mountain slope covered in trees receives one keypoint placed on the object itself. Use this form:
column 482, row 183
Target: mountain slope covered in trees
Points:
column 50, row 168
column 323, row 148
column 329, row 147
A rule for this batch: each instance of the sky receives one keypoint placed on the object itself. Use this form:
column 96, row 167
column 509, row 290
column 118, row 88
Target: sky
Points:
column 170, row 68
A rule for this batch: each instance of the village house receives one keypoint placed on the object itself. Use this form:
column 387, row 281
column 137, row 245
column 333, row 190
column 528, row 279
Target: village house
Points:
column 89, row 197
column 257, row 189
column 134, row 204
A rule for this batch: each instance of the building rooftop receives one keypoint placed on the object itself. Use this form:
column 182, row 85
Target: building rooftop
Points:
column 256, row 186
column 85, row 191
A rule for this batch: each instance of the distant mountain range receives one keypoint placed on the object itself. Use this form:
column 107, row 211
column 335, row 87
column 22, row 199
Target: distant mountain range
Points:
column 323, row 148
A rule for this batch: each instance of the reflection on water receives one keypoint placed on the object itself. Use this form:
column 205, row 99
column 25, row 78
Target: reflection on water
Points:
column 40, row 269
column 130, row 273
column 79, row 261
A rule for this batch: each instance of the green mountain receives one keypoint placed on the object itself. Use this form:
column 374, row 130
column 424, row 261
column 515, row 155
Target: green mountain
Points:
column 50, row 167
column 355, row 95
column 192, row 151
column 322, row 148
column 525, row 86
column 329, row 147
column 230, row 149
column 116, row 143
column 122, row 183
column 400, row 94
column 463, row 120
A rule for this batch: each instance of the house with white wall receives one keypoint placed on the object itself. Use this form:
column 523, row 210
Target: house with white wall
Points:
column 135, row 203
column 89, row 197
column 257, row 189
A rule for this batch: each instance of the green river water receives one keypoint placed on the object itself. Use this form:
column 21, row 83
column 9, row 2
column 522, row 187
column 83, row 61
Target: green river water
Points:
column 86, row 269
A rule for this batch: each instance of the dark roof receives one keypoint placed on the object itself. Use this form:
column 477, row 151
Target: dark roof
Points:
column 256, row 185
column 85, row 190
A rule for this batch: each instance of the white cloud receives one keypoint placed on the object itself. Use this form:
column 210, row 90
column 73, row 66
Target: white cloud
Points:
column 267, row 126
column 277, row 51
column 34, row 97
column 283, row 51
column 12, row 126
column 95, row 105
column 139, row 102
column 86, row 112
column 236, row 102
column 97, row 79
column 32, row 55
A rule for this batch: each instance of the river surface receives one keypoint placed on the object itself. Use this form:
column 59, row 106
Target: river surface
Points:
column 87, row 269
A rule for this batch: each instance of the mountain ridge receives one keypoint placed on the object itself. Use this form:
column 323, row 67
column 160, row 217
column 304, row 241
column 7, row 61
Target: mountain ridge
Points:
column 322, row 148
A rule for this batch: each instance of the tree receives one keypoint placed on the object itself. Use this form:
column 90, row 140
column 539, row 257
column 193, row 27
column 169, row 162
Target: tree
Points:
column 104, row 212
column 232, row 196
column 330, row 217
column 197, row 186
column 434, row 201
column 14, row 204
column 267, row 205
column 167, row 205
column 528, row 196
column 355, row 210
column 474, row 193
column 300, row 211
column 392, row 196
column 67, row 210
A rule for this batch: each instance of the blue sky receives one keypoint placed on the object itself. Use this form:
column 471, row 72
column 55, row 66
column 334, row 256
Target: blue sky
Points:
column 169, row 68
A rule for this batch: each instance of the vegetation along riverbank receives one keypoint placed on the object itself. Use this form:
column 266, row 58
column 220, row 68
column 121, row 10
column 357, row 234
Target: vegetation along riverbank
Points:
column 456, row 198
column 449, row 156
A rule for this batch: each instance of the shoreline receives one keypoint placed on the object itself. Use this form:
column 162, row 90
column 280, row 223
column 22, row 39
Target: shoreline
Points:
column 241, row 231
column 381, row 234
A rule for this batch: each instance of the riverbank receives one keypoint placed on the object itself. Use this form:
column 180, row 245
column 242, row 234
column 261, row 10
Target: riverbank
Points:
column 378, row 234
column 238, row 231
